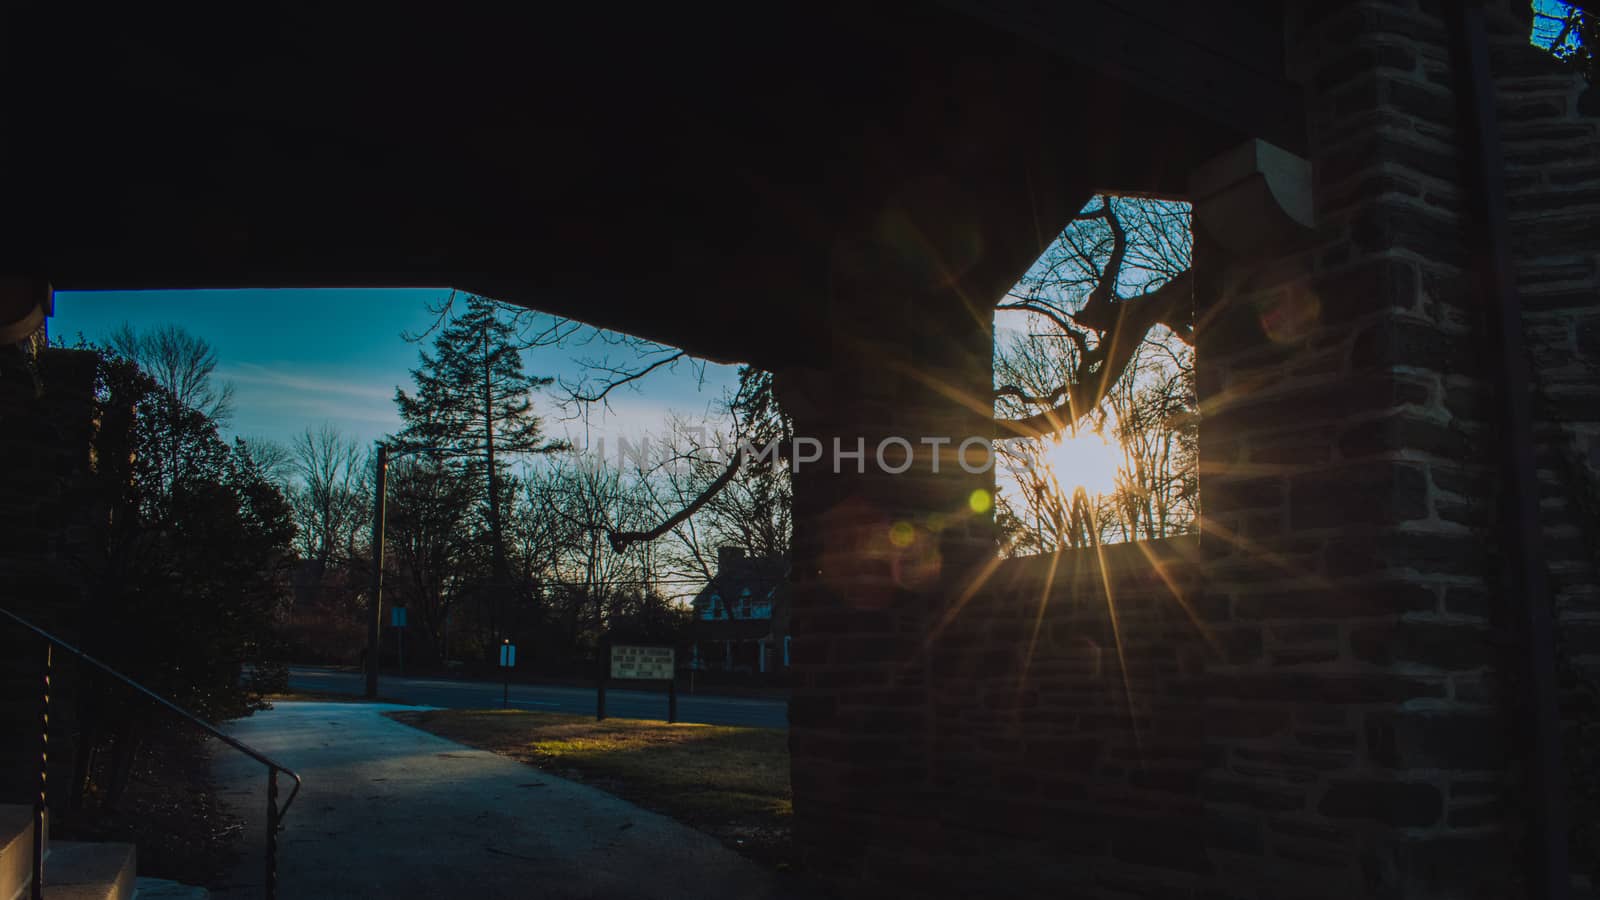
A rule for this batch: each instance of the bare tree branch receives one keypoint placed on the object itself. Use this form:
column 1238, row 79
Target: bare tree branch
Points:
column 621, row 540
column 624, row 377
column 1123, row 325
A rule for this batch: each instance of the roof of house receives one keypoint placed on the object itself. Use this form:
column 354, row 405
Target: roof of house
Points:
column 760, row 575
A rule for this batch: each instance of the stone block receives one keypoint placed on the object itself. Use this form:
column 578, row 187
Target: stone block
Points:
column 1401, row 804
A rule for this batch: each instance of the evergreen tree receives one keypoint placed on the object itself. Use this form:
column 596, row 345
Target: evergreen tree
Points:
column 474, row 400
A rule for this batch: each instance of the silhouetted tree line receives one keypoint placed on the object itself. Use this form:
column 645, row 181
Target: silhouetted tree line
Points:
column 493, row 531
column 190, row 558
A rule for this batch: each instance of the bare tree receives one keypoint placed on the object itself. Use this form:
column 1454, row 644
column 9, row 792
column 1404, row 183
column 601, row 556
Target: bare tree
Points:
column 433, row 548
column 752, row 510
column 1107, row 346
column 757, row 422
column 611, row 363
column 595, row 499
column 1115, row 287
column 1103, row 287
column 184, row 368
column 1156, row 427
column 537, row 532
column 330, row 498
column 181, row 363
column 1044, row 516
column 272, row 459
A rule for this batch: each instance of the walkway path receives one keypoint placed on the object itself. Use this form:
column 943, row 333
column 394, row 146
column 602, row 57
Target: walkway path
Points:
column 389, row 811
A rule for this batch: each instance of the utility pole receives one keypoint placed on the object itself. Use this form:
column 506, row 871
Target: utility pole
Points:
column 375, row 600
column 375, row 612
column 502, row 570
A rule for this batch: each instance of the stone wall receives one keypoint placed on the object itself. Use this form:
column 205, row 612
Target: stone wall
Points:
column 1345, row 451
column 1071, row 743
column 1551, row 127
column 1320, row 698
column 876, row 558
column 48, row 499
column 1351, row 481
column 1552, row 132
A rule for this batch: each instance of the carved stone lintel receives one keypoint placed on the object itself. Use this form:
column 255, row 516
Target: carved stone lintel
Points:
column 1253, row 197
column 25, row 303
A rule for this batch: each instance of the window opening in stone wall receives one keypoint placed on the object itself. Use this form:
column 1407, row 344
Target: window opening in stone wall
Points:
column 1569, row 33
column 1094, row 369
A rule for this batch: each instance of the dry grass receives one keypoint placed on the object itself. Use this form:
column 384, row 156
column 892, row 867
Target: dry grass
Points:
column 730, row 782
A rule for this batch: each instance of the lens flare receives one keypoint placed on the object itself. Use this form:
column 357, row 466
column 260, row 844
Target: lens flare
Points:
column 1085, row 460
column 1291, row 316
column 901, row 534
column 980, row 501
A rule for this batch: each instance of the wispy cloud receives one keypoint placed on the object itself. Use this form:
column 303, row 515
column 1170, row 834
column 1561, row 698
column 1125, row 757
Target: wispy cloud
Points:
column 270, row 378
column 278, row 400
column 632, row 417
column 275, row 403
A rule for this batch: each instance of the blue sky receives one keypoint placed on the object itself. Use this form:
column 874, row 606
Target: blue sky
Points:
column 1547, row 23
column 298, row 358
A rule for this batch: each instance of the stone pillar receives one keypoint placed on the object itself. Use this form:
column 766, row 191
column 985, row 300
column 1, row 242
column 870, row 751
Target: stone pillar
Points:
column 879, row 554
column 1364, row 748
column 47, row 503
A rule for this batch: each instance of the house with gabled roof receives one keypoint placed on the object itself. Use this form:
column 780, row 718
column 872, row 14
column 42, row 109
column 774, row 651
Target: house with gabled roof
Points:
column 741, row 616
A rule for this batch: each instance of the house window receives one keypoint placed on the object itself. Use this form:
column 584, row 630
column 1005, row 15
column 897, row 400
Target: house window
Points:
column 743, row 609
column 712, row 607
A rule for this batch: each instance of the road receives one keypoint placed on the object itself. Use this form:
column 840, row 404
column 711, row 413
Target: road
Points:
column 449, row 693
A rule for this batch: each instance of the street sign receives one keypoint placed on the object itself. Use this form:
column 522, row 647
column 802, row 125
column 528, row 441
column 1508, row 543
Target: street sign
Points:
column 641, row 663
column 397, row 618
column 636, row 663
column 508, row 659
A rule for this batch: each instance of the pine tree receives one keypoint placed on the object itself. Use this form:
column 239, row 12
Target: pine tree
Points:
column 474, row 400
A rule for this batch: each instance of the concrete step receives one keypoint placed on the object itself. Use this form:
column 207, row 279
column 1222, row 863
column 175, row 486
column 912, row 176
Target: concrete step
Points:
column 16, row 850
column 80, row 870
column 72, row 870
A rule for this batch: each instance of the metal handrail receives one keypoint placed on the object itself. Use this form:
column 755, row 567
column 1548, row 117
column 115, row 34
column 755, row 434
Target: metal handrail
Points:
column 275, row 812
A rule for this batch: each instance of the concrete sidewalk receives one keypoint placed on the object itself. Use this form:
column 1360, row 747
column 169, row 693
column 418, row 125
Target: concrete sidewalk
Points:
column 389, row 811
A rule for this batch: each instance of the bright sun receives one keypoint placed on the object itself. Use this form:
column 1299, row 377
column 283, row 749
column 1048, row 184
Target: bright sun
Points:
column 1083, row 460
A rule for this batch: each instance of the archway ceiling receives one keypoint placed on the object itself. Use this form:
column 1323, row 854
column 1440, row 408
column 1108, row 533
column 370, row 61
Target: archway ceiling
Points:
column 689, row 175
